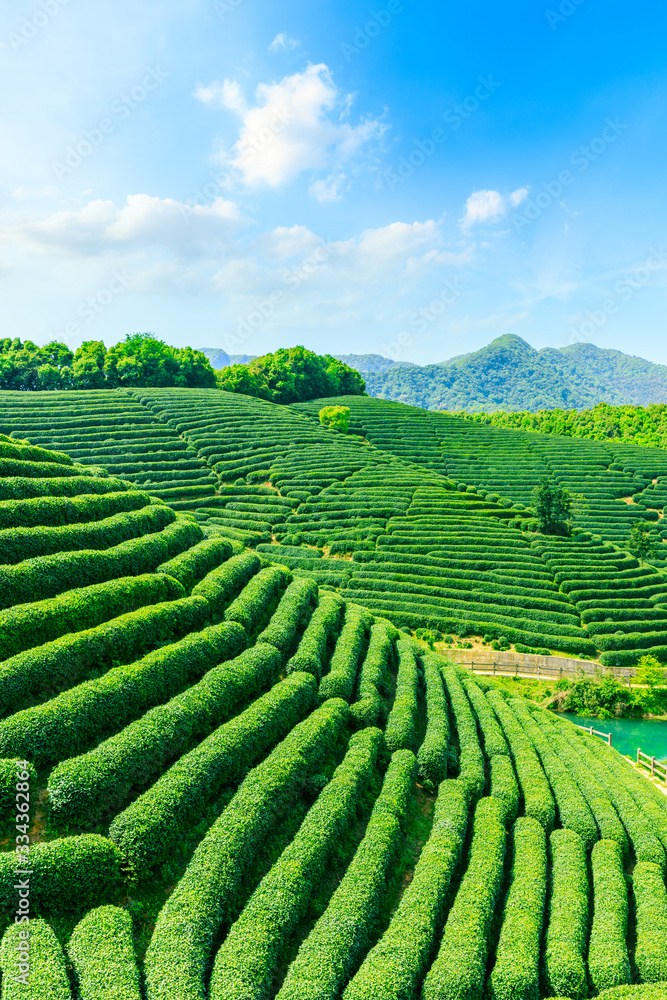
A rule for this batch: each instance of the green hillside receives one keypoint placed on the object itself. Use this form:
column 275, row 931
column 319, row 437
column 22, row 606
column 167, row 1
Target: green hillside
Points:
column 222, row 781
column 508, row 374
column 412, row 514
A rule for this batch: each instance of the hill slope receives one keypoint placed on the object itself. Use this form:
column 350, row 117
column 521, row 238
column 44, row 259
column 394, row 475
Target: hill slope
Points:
column 509, row 374
column 392, row 495
column 193, row 737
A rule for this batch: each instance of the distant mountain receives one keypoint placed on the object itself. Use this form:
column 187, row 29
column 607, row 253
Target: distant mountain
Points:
column 360, row 362
column 372, row 362
column 220, row 358
column 509, row 374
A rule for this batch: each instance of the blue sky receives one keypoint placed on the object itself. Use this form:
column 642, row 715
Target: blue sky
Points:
column 403, row 178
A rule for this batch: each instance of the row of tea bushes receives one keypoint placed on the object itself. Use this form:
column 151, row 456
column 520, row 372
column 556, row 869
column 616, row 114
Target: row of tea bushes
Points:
column 110, row 428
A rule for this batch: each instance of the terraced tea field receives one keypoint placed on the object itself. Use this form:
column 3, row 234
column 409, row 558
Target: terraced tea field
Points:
column 413, row 516
column 225, row 771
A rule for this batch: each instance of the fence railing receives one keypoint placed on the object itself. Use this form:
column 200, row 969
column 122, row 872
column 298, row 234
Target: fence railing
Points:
column 531, row 665
column 594, row 732
column 657, row 768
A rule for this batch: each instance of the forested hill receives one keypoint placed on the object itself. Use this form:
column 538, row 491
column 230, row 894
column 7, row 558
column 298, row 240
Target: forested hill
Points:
column 373, row 362
column 509, row 374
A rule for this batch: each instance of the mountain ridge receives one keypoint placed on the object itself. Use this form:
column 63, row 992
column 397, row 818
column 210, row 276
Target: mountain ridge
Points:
column 509, row 374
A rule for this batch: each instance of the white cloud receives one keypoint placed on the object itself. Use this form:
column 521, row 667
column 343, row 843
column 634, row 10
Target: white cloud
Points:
column 227, row 94
column 298, row 124
column 283, row 41
column 518, row 196
column 328, row 188
column 283, row 243
column 483, row 206
column 142, row 222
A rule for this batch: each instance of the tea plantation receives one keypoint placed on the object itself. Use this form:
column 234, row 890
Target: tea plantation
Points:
column 229, row 770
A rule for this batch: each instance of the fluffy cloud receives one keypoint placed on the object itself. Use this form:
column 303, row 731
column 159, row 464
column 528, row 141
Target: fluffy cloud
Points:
column 398, row 255
column 518, row 196
column 298, row 124
column 143, row 221
column 489, row 206
column 283, row 41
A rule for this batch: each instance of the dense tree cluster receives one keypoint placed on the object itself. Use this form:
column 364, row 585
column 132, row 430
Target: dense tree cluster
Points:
column 292, row 375
column 140, row 360
column 643, row 425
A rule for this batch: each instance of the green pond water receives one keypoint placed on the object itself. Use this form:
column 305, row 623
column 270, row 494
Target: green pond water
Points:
column 628, row 734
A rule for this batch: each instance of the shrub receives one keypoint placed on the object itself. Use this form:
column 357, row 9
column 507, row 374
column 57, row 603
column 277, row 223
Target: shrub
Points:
column 102, row 956
column 45, row 966
column 504, row 787
column 401, row 731
column 322, row 627
column 104, row 778
column 567, row 930
column 47, row 576
column 60, row 663
column 223, row 583
column 651, row 900
column 595, row 793
column 151, row 827
column 459, row 969
column 471, row 759
column 192, row 565
column 434, row 753
column 368, row 708
column 75, row 719
column 246, row 961
column 339, row 682
column 538, row 800
column 396, row 964
column 207, row 896
column 573, row 810
column 492, row 734
column 639, row 828
column 18, row 544
column 291, row 615
column 252, row 604
column 77, row 484
column 608, row 963
column 68, row 875
column 56, row 510
column 516, row 973
column 332, row 951
column 30, row 625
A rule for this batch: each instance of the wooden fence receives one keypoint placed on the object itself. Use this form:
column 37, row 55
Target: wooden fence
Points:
column 594, row 732
column 657, row 768
column 530, row 665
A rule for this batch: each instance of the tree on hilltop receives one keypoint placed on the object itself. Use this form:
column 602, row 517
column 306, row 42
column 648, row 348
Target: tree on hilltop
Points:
column 292, row 375
column 335, row 417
